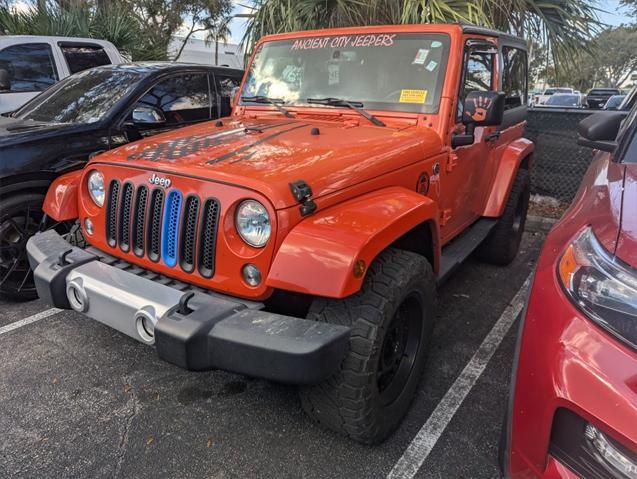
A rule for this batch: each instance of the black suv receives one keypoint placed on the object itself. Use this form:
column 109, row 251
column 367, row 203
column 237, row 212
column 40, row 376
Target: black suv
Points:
column 82, row 116
column 598, row 97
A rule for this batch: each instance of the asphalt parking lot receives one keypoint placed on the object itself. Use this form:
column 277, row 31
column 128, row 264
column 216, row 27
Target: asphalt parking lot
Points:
column 81, row 400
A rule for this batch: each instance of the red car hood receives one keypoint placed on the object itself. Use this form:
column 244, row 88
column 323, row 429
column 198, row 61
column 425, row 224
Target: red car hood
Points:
column 627, row 239
column 266, row 154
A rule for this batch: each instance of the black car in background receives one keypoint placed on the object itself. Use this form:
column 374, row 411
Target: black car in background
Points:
column 598, row 97
column 79, row 117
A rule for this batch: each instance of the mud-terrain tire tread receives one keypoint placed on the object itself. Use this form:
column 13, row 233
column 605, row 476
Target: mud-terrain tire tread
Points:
column 348, row 401
column 502, row 245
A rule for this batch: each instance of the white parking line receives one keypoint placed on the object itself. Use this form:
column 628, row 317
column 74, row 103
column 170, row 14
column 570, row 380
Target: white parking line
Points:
column 422, row 444
column 29, row 320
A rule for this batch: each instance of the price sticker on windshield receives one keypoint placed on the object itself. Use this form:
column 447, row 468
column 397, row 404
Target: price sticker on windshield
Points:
column 413, row 96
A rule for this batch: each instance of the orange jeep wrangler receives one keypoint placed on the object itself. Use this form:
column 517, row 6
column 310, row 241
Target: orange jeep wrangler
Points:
column 302, row 239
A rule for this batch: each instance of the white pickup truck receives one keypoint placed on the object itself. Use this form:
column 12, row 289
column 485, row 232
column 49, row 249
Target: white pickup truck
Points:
column 30, row 64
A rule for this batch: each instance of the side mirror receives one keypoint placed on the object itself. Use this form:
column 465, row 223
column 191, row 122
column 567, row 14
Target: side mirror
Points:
column 148, row 116
column 480, row 108
column 600, row 130
column 5, row 80
column 483, row 108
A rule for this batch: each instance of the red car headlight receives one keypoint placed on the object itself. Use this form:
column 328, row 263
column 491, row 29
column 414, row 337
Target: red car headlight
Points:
column 603, row 287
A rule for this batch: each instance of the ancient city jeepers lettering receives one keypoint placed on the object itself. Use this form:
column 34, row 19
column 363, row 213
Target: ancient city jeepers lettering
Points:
column 370, row 40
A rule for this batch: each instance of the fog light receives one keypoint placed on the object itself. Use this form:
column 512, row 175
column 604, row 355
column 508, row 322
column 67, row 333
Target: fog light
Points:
column 612, row 456
column 88, row 226
column 251, row 275
column 588, row 451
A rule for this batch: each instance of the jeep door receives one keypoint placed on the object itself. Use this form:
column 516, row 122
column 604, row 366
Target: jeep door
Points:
column 513, row 83
column 462, row 176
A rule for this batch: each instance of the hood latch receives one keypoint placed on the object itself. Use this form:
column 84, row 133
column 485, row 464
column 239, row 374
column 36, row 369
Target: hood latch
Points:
column 303, row 194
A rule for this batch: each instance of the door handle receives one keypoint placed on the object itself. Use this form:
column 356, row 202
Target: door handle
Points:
column 492, row 137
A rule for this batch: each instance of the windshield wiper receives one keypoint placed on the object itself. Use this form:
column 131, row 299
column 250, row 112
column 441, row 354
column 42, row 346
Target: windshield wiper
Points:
column 276, row 102
column 357, row 106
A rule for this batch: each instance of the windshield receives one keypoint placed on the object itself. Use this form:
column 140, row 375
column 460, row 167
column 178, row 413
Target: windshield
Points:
column 398, row 72
column 564, row 100
column 85, row 97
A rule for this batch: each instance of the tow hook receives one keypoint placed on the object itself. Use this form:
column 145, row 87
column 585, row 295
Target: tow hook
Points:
column 303, row 194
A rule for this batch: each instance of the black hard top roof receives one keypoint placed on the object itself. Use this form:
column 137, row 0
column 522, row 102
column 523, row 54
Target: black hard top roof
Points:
column 506, row 38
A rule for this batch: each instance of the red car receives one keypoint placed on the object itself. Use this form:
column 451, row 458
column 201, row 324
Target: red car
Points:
column 573, row 407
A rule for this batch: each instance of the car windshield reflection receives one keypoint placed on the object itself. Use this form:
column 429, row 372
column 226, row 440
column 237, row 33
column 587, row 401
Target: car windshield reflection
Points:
column 83, row 98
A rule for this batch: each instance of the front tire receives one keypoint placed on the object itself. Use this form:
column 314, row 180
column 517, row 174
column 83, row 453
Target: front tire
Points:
column 21, row 217
column 391, row 319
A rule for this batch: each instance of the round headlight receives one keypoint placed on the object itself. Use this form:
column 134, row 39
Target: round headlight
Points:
column 95, row 184
column 253, row 223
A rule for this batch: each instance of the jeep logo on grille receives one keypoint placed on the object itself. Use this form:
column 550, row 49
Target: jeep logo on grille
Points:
column 158, row 180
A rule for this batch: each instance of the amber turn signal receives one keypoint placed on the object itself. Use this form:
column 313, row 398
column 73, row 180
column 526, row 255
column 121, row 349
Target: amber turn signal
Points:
column 359, row 268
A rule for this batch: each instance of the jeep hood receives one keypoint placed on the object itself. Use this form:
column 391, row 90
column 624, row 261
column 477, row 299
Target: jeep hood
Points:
column 266, row 154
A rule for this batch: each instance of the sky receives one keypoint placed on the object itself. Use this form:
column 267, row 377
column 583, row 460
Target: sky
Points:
column 238, row 25
column 612, row 13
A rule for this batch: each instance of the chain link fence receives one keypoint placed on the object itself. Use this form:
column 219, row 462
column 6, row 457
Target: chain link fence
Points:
column 559, row 162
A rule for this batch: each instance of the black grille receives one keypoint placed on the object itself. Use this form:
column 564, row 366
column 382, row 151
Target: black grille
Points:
column 134, row 216
column 208, row 238
column 124, row 217
column 139, row 220
column 154, row 230
column 189, row 234
column 111, row 213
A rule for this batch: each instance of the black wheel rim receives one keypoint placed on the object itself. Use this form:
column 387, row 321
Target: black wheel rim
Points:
column 16, row 228
column 400, row 349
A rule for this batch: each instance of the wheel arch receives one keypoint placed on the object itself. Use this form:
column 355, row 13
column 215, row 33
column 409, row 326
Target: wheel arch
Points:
column 61, row 198
column 518, row 154
column 38, row 181
column 322, row 255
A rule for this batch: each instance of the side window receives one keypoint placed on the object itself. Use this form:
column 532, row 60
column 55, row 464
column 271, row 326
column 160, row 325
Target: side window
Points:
column 514, row 82
column 31, row 67
column 478, row 73
column 226, row 86
column 83, row 57
column 181, row 99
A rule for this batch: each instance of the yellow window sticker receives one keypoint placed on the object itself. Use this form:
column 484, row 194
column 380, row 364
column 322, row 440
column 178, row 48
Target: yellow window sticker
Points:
column 413, row 96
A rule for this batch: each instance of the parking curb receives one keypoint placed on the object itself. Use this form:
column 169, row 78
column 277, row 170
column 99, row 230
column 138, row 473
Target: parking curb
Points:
column 539, row 224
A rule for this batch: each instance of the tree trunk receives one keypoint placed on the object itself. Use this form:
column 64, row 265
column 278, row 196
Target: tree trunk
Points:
column 70, row 4
column 216, row 51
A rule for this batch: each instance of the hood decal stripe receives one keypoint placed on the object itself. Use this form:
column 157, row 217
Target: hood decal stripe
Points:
column 187, row 145
column 252, row 145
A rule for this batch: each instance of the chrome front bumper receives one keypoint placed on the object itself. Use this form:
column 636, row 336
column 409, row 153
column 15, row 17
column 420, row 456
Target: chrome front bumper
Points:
column 192, row 329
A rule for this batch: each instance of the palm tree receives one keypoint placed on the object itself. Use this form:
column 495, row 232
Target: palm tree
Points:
column 219, row 32
column 565, row 26
column 114, row 24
